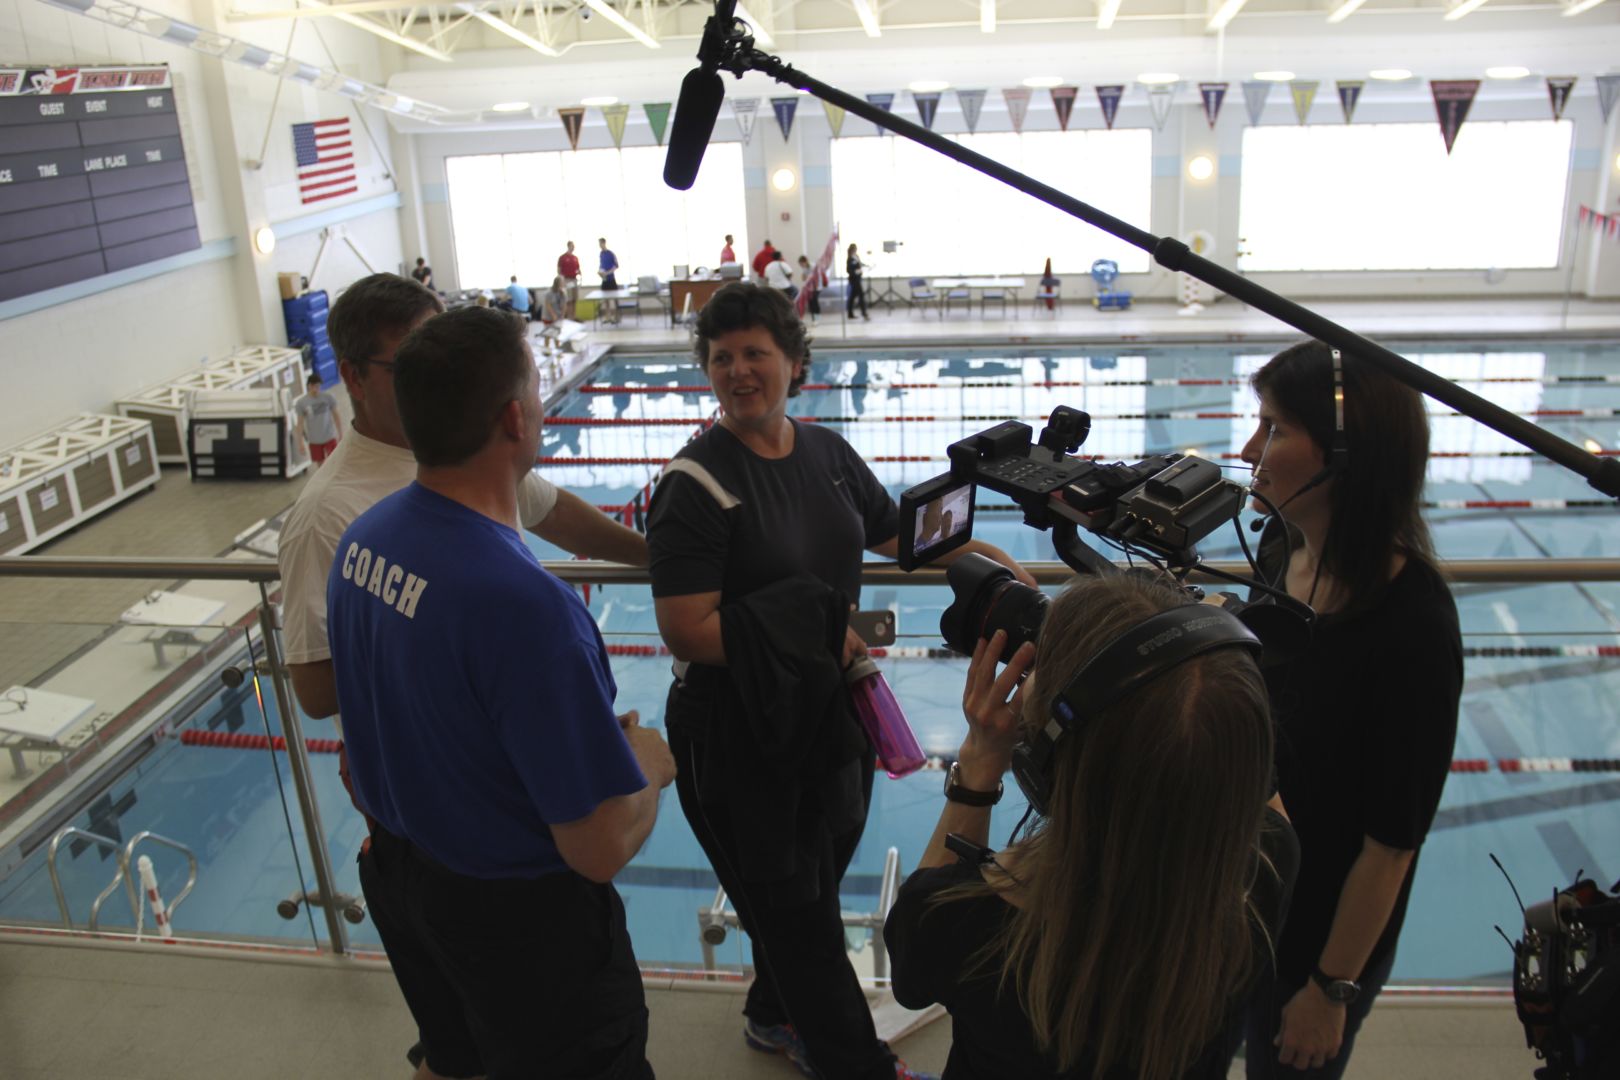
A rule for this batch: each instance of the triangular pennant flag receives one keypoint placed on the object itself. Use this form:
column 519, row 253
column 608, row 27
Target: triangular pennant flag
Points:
column 1452, row 97
column 745, row 109
column 1017, row 106
column 1159, row 99
column 1213, row 94
column 1063, row 102
column 927, row 105
column 572, row 120
column 615, row 116
column 1304, row 91
column 1254, row 98
column 1558, row 91
column 1608, row 90
column 835, row 117
column 658, row 119
column 882, row 101
column 1349, row 94
column 971, row 101
column 1108, row 98
column 785, row 108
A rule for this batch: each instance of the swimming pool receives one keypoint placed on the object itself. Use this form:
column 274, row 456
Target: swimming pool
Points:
column 232, row 807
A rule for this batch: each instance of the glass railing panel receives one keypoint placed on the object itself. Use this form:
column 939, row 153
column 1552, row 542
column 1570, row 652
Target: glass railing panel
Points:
column 185, row 776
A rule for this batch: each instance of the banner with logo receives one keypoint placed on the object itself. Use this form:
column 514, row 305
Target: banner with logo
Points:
column 1349, row 95
column 1304, row 92
column 615, row 115
column 82, row 80
column 1159, row 100
column 572, row 120
column 1254, row 99
column 927, row 106
column 1017, row 99
column 835, row 117
column 785, row 108
column 882, row 101
column 1558, row 91
column 1108, row 100
column 1608, row 91
column 658, row 119
column 745, row 110
column 1213, row 93
column 971, row 102
column 1452, row 99
column 1063, row 101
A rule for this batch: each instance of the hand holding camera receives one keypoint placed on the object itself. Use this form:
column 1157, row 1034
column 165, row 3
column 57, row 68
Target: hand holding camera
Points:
column 993, row 705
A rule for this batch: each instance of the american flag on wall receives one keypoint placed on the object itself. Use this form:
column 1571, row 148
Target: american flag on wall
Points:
column 325, row 155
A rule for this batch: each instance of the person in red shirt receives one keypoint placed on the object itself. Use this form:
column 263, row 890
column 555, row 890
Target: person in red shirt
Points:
column 766, row 254
column 568, row 270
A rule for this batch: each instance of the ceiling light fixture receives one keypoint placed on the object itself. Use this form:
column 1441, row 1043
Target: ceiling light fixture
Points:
column 1043, row 82
column 606, row 10
column 783, row 179
column 501, row 26
column 1107, row 11
column 264, row 240
column 1274, row 76
column 928, row 86
column 1223, row 15
column 868, row 16
column 1389, row 74
column 1344, row 10
column 511, row 107
column 1201, row 167
column 1508, row 71
column 600, row 102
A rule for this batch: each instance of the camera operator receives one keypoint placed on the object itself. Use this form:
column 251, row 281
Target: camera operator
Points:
column 1367, row 715
column 757, row 532
column 1118, row 936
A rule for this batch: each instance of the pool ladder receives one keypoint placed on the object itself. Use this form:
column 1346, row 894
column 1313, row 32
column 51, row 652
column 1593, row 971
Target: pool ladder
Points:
column 714, row 920
column 126, row 859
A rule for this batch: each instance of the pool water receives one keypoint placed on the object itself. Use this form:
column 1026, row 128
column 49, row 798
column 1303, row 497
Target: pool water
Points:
column 232, row 806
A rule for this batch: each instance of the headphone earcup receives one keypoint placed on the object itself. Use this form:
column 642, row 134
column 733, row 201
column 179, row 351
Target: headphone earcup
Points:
column 1034, row 779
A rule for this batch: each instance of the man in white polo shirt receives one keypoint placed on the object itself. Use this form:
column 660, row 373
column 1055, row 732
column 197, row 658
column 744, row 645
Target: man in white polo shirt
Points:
column 374, row 460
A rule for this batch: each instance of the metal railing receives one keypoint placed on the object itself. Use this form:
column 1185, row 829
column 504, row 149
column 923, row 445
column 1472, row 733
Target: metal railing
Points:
column 264, row 573
column 125, row 858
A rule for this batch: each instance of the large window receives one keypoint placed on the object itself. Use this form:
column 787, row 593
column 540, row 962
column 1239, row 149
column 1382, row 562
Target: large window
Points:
column 1388, row 197
column 513, row 213
column 949, row 219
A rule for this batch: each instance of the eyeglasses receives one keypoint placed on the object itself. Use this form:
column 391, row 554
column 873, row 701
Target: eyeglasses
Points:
column 15, row 701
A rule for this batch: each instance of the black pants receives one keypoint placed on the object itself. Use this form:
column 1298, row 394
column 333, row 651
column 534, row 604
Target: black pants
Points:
column 1265, row 1020
column 509, row 978
column 856, row 293
column 814, row 301
column 802, row 974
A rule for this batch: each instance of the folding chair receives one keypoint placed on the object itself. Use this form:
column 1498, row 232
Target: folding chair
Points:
column 992, row 296
column 921, row 293
column 1044, row 292
column 958, row 295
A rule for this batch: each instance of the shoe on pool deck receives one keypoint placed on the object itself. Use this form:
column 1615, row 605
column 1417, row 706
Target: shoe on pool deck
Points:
column 779, row 1039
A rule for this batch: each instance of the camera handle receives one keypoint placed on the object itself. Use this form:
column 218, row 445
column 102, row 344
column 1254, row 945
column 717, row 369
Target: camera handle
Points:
column 735, row 45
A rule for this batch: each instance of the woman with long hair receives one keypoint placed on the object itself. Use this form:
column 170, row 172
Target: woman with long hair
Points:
column 1367, row 714
column 1117, row 936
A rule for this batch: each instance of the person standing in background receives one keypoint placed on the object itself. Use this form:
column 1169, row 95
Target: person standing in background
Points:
column 727, row 255
column 761, row 258
column 568, row 270
column 319, row 424
column 423, row 274
column 814, row 281
column 607, row 264
column 857, row 288
column 779, row 277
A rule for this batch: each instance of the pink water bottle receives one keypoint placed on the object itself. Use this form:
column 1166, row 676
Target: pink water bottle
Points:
column 881, row 716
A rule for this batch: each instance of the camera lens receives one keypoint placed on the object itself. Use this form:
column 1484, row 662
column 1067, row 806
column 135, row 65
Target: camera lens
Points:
column 988, row 598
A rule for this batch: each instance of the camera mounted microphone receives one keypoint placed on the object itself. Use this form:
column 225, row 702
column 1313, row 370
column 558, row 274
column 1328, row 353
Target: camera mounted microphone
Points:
column 698, row 107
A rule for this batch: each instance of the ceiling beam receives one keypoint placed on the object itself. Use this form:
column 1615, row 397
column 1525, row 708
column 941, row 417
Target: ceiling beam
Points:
column 867, row 13
column 501, row 26
column 1107, row 11
column 611, row 14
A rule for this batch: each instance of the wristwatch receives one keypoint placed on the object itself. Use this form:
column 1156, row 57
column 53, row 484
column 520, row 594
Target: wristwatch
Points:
column 1338, row 991
column 955, row 792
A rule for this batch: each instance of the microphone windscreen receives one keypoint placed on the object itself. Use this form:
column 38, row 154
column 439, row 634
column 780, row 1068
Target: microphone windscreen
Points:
column 695, row 114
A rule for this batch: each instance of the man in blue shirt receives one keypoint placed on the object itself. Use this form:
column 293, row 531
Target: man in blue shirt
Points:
column 478, row 712
column 607, row 264
column 518, row 297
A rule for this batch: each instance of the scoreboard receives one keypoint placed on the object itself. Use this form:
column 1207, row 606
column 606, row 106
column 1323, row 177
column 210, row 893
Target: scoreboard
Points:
column 92, row 175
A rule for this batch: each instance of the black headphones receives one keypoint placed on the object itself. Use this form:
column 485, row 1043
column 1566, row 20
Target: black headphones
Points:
column 1140, row 655
column 1338, row 455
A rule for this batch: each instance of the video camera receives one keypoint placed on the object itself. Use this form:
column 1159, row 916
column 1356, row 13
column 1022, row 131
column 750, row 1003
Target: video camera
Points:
column 1158, row 508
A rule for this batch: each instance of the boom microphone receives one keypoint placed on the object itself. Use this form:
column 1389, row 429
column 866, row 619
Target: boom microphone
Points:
column 698, row 107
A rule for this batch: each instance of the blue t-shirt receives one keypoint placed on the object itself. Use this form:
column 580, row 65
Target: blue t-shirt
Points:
column 475, row 690
column 607, row 262
column 519, row 296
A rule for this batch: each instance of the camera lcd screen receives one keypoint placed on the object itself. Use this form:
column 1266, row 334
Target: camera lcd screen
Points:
column 935, row 517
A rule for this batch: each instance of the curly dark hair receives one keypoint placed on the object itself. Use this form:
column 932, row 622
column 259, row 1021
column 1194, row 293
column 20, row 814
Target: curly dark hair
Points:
column 743, row 305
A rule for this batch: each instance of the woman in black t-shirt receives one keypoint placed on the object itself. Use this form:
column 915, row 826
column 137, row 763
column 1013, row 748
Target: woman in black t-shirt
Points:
column 1117, row 938
column 1367, row 715
column 762, row 523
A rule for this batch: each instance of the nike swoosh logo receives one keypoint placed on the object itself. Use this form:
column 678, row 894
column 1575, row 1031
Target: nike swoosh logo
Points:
column 838, row 481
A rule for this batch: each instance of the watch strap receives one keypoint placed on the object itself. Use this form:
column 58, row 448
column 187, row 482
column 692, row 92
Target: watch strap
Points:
column 955, row 792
